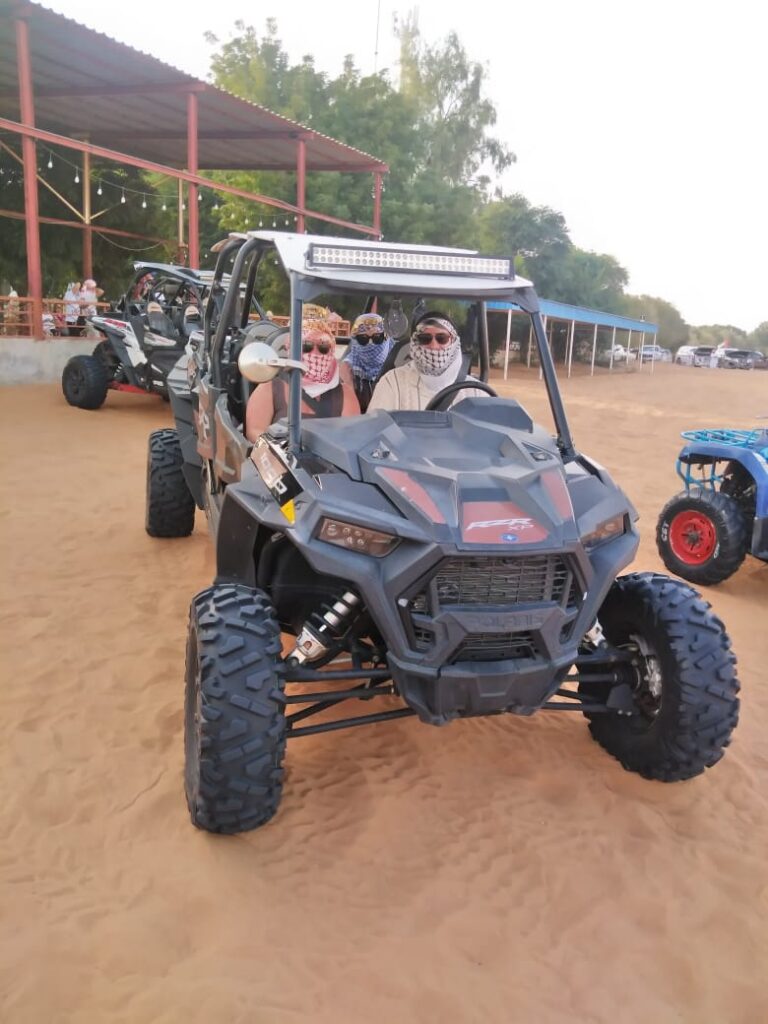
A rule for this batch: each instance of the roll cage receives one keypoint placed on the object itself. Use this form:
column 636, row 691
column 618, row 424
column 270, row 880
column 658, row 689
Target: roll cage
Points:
column 232, row 297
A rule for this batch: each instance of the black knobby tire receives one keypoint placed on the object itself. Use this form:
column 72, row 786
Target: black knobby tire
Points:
column 234, row 724
column 683, row 680
column 170, row 505
column 702, row 535
column 84, row 382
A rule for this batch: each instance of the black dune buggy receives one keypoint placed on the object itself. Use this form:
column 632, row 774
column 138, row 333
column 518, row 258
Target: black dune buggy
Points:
column 453, row 562
column 143, row 336
column 706, row 531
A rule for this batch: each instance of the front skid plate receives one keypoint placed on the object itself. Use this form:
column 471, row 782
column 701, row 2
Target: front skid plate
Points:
column 477, row 688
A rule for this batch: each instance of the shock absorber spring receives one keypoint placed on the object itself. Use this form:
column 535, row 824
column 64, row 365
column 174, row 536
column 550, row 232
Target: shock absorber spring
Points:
column 321, row 631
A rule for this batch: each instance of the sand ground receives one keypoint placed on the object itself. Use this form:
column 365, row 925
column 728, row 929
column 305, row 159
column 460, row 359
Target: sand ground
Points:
column 500, row 870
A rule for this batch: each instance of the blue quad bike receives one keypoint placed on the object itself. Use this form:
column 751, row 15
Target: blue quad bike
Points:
column 706, row 531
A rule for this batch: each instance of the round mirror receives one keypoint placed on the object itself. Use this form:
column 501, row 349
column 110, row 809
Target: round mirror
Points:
column 259, row 362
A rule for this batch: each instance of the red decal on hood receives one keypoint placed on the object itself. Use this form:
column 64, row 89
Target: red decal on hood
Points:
column 499, row 522
column 557, row 489
column 414, row 492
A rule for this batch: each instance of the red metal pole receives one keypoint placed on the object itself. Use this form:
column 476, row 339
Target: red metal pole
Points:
column 377, row 202
column 194, row 213
column 29, row 153
column 301, row 184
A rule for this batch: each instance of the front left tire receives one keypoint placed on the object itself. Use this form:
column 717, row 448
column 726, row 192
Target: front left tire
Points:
column 170, row 507
column 84, row 382
column 234, row 724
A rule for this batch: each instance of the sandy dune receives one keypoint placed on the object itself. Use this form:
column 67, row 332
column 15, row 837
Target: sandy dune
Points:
column 500, row 870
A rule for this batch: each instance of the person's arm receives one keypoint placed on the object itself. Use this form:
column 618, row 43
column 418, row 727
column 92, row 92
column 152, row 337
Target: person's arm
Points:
column 351, row 406
column 259, row 411
column 384, row 394
column 345, row 372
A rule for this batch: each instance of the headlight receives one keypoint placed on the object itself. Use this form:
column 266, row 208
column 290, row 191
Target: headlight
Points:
column 607, row 530
column 357, row 538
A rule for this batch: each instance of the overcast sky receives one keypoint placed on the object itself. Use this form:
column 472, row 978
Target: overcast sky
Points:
column 644, row 123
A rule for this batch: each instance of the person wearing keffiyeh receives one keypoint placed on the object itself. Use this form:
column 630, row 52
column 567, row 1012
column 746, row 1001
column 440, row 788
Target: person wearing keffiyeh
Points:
column 435, row 350
column 367, row 353
column 323, row 391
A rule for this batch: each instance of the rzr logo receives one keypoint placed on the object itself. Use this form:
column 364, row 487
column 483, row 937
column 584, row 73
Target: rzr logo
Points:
column 517, row 524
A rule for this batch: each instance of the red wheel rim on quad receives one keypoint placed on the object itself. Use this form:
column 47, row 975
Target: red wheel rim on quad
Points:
column 692, row 537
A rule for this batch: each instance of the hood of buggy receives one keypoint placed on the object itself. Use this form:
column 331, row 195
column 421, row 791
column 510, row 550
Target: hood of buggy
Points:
column 479, row 476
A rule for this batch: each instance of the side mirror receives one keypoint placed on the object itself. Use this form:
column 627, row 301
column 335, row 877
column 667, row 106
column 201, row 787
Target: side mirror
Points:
column 259, row 362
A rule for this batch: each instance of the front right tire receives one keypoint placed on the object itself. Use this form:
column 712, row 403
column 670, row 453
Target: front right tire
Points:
column 234, row 723
column 682, row 679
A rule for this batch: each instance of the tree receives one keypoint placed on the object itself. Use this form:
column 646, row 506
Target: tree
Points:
column 673, row 330
column 536, row 234
column 590, row 279
column 759, row 337
column 446, row 88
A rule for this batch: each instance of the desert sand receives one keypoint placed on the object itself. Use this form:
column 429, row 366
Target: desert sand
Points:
column 499, row 870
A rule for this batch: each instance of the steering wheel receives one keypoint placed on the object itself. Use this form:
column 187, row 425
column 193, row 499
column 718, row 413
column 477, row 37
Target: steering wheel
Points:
column 440, row 401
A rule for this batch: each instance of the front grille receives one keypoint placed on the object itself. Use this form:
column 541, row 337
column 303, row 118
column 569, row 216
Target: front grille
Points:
column 500, row 581
column 496, row 647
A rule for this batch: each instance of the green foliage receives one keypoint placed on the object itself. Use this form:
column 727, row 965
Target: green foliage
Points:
column 716, row 334
column 62, row 247
column 673, row 330
column 536, row 234
column 759, row 337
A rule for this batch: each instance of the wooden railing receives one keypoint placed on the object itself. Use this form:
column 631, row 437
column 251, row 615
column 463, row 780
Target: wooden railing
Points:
column 16, row 315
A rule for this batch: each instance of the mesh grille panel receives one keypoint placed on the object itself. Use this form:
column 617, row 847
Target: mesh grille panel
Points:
column 490, row 581
column 496, row 647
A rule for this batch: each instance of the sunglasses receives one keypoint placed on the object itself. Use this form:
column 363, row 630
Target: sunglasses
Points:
column 363, row 339
column 424, row 339
column 323, row 347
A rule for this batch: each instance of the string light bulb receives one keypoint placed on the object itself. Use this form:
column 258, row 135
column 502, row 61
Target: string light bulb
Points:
column 143, row 202
column 122, row 196
column 261, row 223
column 99, row 190
column 183, row 206
column 199, row 196
column 77, row 177
column 50, row 161
column 165, row 205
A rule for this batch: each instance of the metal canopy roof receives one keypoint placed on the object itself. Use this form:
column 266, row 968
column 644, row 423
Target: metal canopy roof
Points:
column 87, row 85
column 582, row 315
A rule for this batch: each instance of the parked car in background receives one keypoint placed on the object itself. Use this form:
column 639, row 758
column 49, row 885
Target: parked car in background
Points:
column 702, row 355
column 620, row 355
column 684, row 355
column 655, row 354
column 738, row 358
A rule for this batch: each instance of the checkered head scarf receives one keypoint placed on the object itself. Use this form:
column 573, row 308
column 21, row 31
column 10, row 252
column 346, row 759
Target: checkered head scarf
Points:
column 367, row 360
column 429, row 361
column 320, row 368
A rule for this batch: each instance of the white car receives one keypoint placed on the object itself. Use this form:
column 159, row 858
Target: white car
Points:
column 620, row 355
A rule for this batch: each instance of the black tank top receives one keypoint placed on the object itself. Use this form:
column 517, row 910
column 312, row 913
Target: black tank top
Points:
column 330, row 403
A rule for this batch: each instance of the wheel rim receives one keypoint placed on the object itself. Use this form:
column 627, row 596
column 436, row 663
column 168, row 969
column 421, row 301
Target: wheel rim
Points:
column 692, row 537
column 647, row 686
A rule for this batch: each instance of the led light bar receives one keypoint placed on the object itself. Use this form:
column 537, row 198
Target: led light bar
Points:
column 350, row 257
